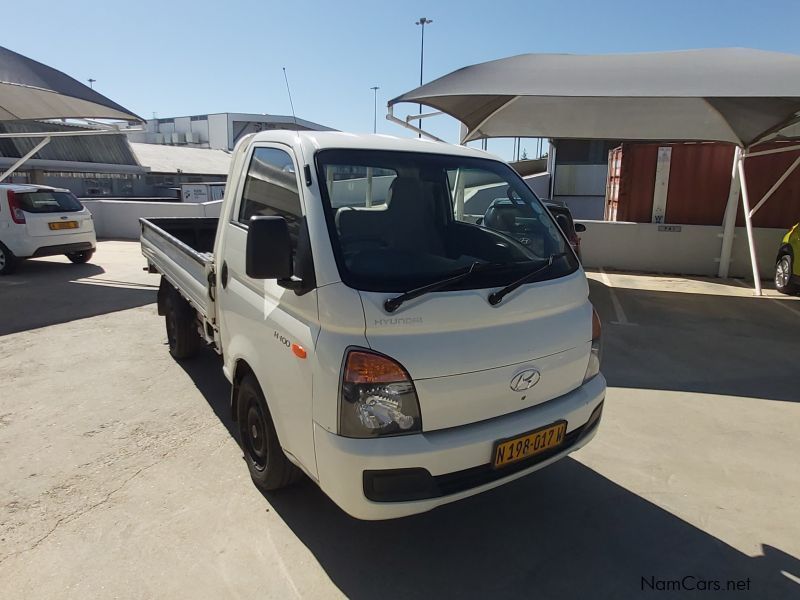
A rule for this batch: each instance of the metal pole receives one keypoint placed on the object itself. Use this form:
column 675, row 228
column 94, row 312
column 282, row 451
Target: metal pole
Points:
column 375, row 89
column 422, row 21
column 22, row 160
column 91, row 82
column 748, row 221
column 729, row 220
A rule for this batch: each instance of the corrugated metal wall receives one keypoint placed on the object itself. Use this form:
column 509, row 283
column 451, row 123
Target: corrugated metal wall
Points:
column 699, row 182
column 109, row 149
column 637, row 176
column 783, row 208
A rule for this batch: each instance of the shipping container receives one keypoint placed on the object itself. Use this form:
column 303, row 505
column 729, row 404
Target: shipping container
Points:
column 697, row 178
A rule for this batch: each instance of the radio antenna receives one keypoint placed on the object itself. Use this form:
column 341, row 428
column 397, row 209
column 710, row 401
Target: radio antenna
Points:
column 306, row 166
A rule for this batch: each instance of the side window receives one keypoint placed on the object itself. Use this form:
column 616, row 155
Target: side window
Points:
column 270, row 189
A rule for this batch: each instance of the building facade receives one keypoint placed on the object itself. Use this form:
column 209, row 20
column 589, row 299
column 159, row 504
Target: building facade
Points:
column 219, row 131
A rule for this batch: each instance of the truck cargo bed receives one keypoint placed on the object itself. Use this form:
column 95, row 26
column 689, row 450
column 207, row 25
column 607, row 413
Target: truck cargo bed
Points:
column 181, row 249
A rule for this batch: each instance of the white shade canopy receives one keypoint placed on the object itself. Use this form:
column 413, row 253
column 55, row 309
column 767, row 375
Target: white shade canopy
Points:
column 735, row 95
column 30, row 90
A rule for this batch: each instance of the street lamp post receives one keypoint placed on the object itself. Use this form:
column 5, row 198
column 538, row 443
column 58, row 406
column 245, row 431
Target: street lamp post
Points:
column 423, row 21
column 375, row 89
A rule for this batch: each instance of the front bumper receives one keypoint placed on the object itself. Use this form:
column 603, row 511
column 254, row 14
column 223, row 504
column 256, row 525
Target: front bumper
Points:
column 442, row 466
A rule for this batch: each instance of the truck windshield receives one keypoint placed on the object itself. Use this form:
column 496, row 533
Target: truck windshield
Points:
column 46, row 201
column 401, row 220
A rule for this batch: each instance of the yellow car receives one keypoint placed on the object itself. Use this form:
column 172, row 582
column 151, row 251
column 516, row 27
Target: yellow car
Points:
column 787, row 269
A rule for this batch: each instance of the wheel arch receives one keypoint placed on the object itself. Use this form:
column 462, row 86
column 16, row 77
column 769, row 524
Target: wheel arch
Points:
column 784, row 250
column 241, row 368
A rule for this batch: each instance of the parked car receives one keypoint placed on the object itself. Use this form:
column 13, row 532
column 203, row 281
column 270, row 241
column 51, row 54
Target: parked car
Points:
column 378, row 340
column 787, row 268
column 485, row 198
column 568, row 225
column 37, row 220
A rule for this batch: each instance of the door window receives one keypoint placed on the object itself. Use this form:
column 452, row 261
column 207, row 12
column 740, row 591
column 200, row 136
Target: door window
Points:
column 270, row 189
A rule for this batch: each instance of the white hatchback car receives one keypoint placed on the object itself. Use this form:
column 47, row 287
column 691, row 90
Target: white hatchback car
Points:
column 37, row 220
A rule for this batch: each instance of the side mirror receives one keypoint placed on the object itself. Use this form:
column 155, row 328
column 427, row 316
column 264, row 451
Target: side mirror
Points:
column 269, row 249
column 563, row 222
column 580, row 227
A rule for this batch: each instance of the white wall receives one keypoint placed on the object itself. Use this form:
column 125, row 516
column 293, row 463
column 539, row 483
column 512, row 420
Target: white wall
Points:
column 540, row 184
column 591, row 208
column 580, row 180
column 218, row 132
column 694, row 250
column 119, row 219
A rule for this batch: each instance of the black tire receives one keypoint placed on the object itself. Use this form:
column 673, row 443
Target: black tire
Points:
column 8, row 262
column 181, row 322
column 783, row 275
column 81, row 257
column 269, row 468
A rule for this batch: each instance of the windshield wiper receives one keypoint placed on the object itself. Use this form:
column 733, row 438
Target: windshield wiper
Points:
column 392, row 304
column 496, row 297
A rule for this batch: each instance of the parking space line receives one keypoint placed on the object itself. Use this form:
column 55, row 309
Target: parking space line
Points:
column 622, row 319
column 787, row 304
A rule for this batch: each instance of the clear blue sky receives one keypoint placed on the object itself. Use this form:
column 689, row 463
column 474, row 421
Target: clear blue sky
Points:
column 177, row 57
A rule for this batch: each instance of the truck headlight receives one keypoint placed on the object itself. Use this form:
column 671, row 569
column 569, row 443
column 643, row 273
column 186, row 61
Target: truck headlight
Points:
column 377, row 397
column 593, row 368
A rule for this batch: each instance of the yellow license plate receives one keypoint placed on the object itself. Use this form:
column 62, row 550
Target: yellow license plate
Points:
column 528, row 444
column 63, row 225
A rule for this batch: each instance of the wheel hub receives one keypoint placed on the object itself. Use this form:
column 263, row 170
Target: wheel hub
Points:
column 253, row 433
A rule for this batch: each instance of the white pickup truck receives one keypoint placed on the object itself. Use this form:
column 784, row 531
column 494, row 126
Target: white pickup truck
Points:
column 400, row 351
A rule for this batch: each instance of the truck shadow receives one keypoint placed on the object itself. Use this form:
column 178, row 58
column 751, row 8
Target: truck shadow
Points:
column 43, row 293
column 707, row 343
column 563, row 532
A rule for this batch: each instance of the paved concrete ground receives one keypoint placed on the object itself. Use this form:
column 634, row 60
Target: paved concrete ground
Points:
column 121, row 479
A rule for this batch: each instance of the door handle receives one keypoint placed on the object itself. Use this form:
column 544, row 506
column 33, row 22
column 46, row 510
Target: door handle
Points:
column 223, row 275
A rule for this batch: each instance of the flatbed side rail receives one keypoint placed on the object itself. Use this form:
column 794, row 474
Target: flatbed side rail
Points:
column 183, row 266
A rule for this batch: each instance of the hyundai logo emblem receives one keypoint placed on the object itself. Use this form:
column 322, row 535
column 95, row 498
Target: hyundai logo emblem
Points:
column 525, row 380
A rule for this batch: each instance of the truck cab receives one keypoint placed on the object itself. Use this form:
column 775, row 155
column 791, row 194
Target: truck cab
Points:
column 377, row 338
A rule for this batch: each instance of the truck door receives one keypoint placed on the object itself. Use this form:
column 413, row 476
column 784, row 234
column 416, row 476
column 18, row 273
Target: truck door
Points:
column 260, row 321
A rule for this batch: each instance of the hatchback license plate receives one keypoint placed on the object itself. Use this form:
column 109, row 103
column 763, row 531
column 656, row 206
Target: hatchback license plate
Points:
column 528, row 444
column 63, row 225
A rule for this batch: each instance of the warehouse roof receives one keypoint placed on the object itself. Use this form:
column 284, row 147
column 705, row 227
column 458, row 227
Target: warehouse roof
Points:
column 105, row 149
column 174, row 159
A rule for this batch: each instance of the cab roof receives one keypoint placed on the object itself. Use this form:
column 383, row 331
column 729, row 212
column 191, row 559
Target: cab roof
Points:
column 322, row 140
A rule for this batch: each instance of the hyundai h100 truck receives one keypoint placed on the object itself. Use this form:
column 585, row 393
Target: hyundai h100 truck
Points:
column 380, row 336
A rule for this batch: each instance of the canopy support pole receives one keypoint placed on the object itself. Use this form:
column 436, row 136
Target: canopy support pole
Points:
column 22, row 160
column 748, row 212
column 390, row 117
column 778, row 183
column 748, row 221
column 729, row 220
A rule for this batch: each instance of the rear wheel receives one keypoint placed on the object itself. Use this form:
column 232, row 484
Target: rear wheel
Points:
column 182, row 335
column 8, row 262
column 81, row 257
column 269, row 468
column 783, row 276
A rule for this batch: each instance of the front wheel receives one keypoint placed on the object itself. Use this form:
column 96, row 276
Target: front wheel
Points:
column 8, row 262
column 80, row 257
column 783, row 276
column 269, row 468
